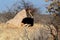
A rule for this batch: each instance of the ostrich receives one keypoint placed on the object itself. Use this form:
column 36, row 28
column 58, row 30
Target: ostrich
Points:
column 29, row 20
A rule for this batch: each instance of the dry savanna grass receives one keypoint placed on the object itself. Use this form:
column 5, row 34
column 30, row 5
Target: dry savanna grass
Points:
column 36, row 32
column 12, row 30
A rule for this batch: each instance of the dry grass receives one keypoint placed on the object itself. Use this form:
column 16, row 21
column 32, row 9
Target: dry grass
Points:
column 12, row 30
column 37, row 32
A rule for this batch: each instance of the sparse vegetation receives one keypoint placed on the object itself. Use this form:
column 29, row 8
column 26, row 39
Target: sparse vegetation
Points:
column 46, row 27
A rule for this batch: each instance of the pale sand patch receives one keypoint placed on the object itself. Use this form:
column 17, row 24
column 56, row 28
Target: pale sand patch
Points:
column 18, row 18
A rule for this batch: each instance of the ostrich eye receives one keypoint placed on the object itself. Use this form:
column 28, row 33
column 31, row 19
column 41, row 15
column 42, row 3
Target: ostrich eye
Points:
column 28, row 20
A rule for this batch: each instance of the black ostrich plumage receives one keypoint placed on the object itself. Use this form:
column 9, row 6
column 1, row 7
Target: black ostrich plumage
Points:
column 28, row 20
